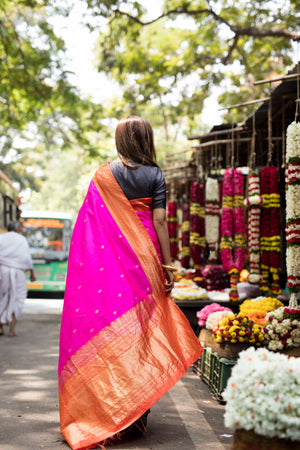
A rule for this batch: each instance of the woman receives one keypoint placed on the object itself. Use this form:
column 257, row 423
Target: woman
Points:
column 124, row 343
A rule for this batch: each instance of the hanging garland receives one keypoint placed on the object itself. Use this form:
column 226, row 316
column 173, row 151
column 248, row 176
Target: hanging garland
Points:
column 185, row 237
column 270, row 230
column 197, row 233
column 254, row 202
column 293, row 211
column 233, row 228
column 172, row 228
column 212, row 218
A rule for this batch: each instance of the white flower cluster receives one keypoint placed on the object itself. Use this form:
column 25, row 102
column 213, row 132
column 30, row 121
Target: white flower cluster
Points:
column 262, row 394
column 281, row 332
column 293, row 140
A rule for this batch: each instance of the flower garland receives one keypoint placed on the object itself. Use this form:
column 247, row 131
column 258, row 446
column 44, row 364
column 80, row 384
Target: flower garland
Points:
column 254, row 202
column 238, row 328
column 233, row 228
column 185, row 237
column 172, row 222
column 282, row 329
column 293, row 210
column 270, row 230
column 212, row 218
column 197, row 233
column 262, row 394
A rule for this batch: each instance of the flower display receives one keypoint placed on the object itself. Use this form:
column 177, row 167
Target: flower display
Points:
column 215, row 317
column 233, row 228
column 238, row 328
column 185, row 237
column 188, row 292
column 270, row 229
column 293, row 210
column 264, row 304
column 197, row 229
column 207, row 310
column 262, row 394
column 282, row 329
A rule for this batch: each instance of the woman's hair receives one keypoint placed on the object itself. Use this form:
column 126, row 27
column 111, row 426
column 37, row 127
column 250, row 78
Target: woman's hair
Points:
column 14, row 225
column 134, row 141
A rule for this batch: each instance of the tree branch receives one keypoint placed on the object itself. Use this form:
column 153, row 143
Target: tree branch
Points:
column 238, row 31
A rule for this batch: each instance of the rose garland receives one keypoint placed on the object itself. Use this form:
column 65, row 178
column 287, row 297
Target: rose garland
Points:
column 172, row 228
column 185, row 237
column 270, row 230
column 293, row 210
column 212, row 217
column 197, row 233
column 233, row 228
column 254, row 202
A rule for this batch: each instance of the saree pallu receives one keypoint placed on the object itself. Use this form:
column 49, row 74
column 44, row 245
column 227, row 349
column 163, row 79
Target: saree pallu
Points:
column 123, row 342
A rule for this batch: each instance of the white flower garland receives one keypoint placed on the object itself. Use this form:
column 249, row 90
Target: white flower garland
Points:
column 212, row 217
column 293, row 211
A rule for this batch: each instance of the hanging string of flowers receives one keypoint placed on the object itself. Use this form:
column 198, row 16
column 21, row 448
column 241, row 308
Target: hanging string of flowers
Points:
column 233, row 228
column 293, row 211
column 172, row 222
column 270, row 230
column 185, row 237
column 254, row 202
column 212, row 217
column 197, row 232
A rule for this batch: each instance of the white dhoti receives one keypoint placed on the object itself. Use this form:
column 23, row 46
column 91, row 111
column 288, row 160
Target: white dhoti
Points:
column 14, row 261
column 13, row 292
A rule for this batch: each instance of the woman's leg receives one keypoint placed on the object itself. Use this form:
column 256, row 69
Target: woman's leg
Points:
column 12, row 326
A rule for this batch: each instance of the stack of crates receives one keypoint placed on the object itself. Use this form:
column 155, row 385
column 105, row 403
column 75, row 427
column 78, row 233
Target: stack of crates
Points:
column 215, row 372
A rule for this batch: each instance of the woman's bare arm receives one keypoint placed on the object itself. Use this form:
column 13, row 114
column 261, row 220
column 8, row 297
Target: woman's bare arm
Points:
column 161, row 228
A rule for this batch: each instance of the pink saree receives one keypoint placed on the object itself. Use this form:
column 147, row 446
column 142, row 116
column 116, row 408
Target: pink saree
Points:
column 123, row 342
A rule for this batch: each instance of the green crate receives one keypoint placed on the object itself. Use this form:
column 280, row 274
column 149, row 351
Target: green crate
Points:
column 221, row 371
column 197, row 367
column 206, row 365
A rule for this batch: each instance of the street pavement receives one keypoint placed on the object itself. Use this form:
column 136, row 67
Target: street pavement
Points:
column 186, row 418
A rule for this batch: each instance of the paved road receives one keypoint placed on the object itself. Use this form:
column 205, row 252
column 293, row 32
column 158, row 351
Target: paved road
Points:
column 186, row 418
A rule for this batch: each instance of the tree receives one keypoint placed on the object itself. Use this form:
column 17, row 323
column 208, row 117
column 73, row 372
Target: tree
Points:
column 176, row 59
column 39, row 108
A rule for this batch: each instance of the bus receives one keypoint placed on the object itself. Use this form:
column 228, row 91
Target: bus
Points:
column 49, row 236
column 9, row 202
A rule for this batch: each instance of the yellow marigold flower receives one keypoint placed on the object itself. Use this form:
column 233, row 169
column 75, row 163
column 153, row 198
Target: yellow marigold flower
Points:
column 234, row 341
column 241, row 339
column 233, row 334
column 242, row 333
column 219, row 339
column 236, row 322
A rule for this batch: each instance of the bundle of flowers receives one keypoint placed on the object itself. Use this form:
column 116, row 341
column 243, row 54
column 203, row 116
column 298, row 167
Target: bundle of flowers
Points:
column 197, row 227
column 233, row 228
column 264, row 304
column 270, row 229
column 282, row 329
column 185, row 237
column 215, row 276
column 207, row 310
column 189, row 293
column 262, row 394
column 293, row 210
column 215, row 317
column 212, row 217
column 238, row 328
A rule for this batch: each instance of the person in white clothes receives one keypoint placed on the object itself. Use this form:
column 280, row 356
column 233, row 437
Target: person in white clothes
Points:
column 15, row 260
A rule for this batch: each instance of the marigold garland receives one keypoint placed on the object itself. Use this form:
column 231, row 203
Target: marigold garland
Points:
column 197, row 232
column 212, row 218
column 293, row 210
column 238, row 328
column 254, row 202
column 172, row 221
column 270, row 230
column 185, row 237
column 233, row 228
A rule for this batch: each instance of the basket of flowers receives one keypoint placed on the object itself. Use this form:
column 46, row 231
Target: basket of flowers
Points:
column 262, row 401
column 282, row 331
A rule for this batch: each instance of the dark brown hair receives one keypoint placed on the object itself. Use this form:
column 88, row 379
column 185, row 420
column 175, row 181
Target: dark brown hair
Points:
column 134, row 141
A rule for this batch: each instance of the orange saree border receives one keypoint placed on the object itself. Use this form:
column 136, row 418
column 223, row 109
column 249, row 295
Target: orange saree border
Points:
column 109, row 383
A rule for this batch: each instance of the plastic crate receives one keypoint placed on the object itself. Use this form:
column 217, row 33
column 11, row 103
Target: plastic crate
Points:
column 197, row 367
column 206, row 365
column 221, row 371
